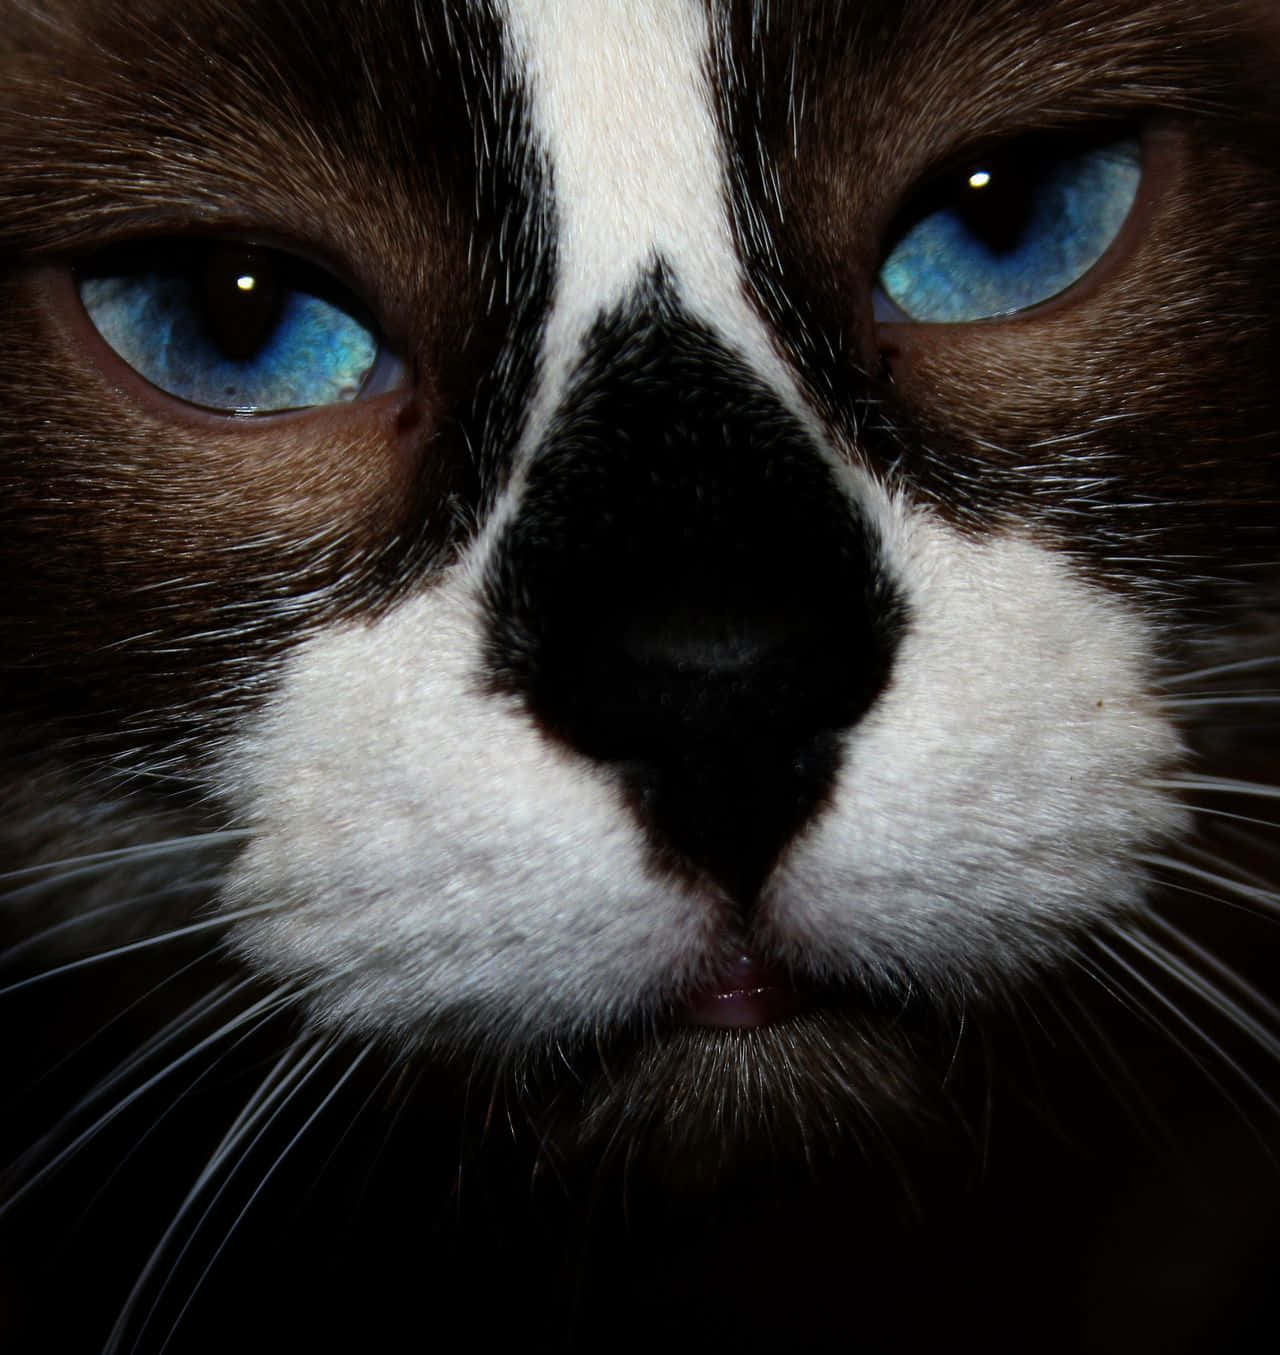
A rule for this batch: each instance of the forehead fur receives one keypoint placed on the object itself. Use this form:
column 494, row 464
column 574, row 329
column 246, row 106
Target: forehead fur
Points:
column 269, row 71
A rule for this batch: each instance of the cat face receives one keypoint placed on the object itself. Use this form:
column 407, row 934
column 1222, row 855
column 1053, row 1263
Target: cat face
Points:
column 661, row 526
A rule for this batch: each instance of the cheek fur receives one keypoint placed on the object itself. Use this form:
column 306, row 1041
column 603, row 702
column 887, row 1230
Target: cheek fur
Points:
column 995, row 800
column 431, row 861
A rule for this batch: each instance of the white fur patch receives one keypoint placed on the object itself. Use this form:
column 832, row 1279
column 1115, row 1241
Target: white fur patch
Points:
column 996, row 792
column 620, row 101
column 435, row 858
column 432, row 856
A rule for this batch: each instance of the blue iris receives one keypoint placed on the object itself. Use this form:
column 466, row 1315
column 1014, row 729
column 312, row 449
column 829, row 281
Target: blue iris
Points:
column 232, row 328
column 1011, row 231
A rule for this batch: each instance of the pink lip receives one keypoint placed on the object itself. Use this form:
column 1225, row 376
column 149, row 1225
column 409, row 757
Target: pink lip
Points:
column 746, row 995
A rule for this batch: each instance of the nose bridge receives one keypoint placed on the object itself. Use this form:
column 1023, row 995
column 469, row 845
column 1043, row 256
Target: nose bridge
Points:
column 687, row 595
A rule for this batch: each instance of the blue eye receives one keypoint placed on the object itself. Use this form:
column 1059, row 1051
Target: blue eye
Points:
column 233, row 328
column 1011, row 230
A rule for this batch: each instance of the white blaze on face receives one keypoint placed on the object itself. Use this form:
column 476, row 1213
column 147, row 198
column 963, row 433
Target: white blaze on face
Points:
column 432, row 856
column 621, row 101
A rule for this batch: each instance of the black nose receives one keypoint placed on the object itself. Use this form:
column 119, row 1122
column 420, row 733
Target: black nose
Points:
column 686, row 594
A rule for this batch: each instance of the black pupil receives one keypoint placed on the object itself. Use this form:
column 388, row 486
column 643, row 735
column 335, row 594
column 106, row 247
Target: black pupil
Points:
column 242, row 298
column 996, row 200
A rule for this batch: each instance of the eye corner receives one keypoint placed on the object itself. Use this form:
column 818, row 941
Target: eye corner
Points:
column 883, row 311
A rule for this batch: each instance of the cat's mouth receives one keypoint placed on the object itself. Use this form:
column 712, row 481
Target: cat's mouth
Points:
column 745, row 995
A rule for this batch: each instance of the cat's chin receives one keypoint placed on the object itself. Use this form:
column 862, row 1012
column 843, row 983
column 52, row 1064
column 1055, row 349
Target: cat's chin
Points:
column 730, row 1085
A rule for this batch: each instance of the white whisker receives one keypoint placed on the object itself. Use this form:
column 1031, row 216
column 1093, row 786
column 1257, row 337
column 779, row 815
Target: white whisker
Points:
column 379, row 1088
column 1117, row 1075
column 1218, row 785
column 67, row 925
column 1268, row 1037
column 1216, row 861
column 156, row 1043
column 267, row 1004
column 1226, row 815
column 158, row 1040
column 1193, row 1027
column 291, row 1071
column 1217, row 670
column 1213, row 996
column 262, row 1184
column 155, row 1124
column 1215, row 700
column 1266, row 898
column 92, row 862
column 145, row 943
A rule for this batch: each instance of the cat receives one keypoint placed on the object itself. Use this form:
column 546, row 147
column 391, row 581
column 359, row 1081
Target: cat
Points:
column 638, row 655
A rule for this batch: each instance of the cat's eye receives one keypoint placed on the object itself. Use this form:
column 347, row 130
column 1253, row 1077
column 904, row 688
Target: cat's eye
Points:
column 236, row 328
column 1009, row 230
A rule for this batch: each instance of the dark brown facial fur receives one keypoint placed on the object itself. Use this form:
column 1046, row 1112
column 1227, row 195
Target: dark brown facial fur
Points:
column 1084, row 1161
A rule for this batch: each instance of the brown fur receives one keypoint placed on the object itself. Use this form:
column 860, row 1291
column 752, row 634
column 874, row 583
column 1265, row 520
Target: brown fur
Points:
column 877, row 1179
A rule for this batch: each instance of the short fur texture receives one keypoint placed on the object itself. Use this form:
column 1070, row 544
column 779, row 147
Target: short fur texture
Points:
column 390, row 788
